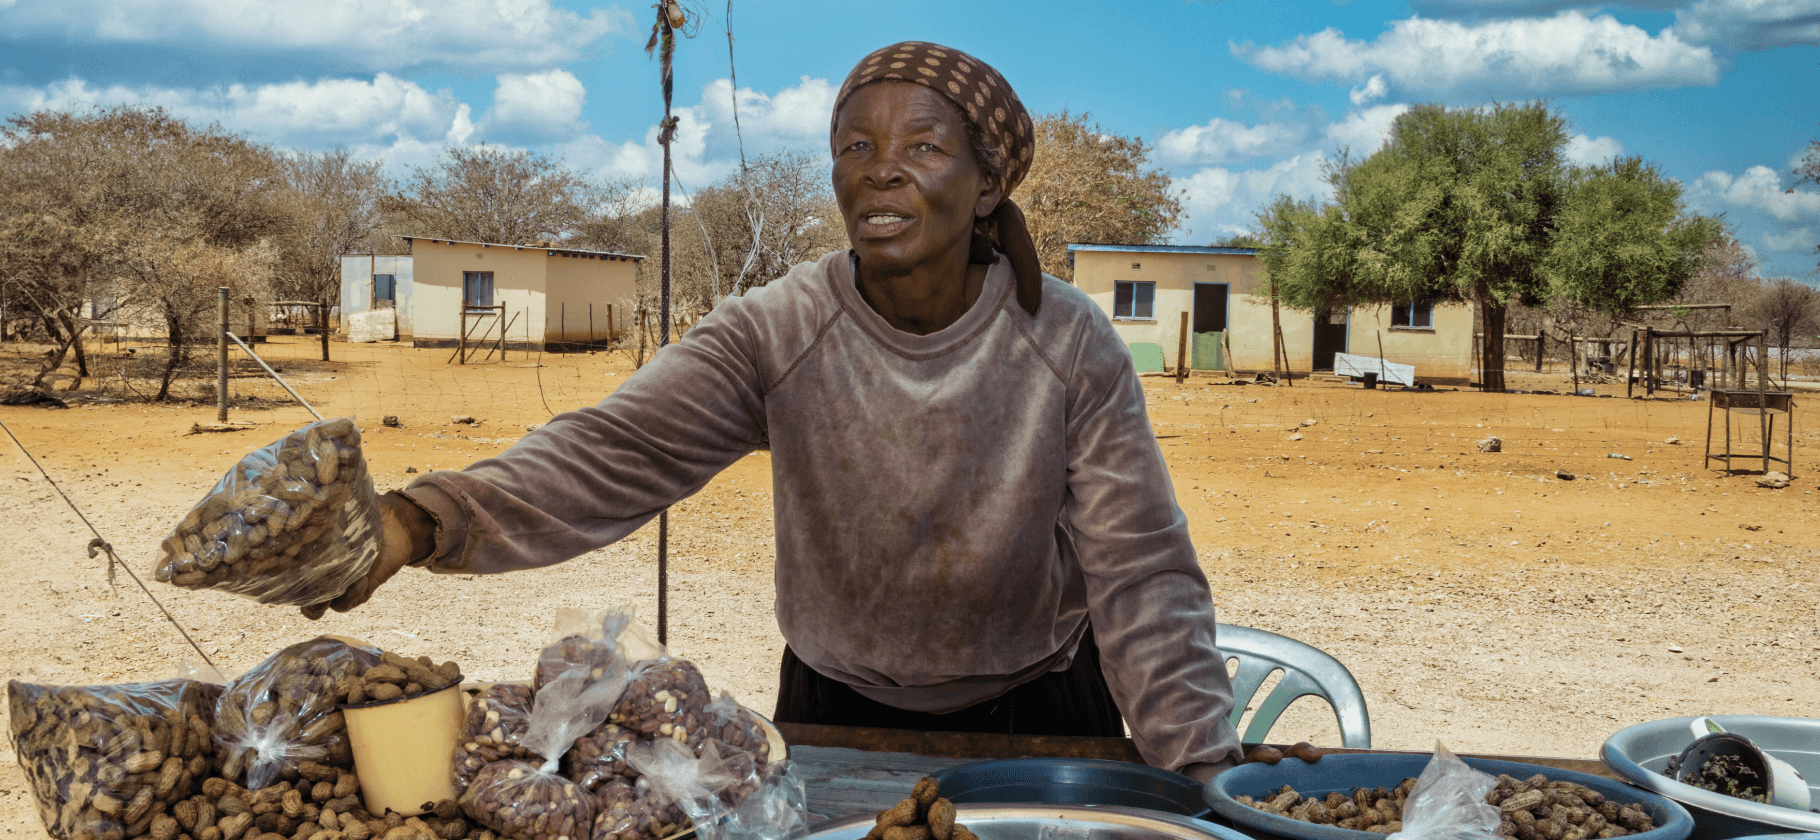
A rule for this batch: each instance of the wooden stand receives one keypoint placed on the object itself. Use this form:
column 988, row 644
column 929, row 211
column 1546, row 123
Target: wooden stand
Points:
column 1766, row 405
column 486, row 317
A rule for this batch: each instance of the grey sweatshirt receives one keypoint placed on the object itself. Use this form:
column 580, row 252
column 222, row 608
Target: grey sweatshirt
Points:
column 951, row 509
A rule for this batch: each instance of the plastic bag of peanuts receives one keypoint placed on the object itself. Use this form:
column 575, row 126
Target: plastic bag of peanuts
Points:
column 103, row 762
column 730, row 795
column 285, row 711
column 1448, row 802
column 581, row 680
column 293, row 523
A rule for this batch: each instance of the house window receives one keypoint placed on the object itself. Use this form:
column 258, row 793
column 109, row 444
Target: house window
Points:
column 477, row 288
column 385, row 288
column 1134, row 300
column 1414, row 315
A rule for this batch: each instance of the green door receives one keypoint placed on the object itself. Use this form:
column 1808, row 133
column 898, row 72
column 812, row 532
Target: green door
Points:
column 1207, row 351
column 1147, row 357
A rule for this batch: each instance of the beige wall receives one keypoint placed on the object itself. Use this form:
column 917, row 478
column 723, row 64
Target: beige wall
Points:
column 1442, row 354
column 572, row 283
column 518, row 282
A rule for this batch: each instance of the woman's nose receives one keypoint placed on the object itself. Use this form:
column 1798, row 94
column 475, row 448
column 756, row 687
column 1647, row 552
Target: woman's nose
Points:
column 886, row 169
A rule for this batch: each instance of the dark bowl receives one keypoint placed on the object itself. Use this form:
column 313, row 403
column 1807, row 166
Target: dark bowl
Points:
column 1073, row 781
column 1342, row 773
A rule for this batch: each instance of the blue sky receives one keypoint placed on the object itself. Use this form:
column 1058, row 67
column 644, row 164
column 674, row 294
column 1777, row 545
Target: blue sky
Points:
column 1241, row 99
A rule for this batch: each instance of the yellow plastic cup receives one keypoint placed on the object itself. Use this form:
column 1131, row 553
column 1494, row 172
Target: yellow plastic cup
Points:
column 403, row 750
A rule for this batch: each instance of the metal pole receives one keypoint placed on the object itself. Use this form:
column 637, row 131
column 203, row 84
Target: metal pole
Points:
column 221, row 372
column 268, row 369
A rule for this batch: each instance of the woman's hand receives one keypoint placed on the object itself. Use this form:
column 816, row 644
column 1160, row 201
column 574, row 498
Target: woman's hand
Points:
column 406, row 533
column 1259, row 754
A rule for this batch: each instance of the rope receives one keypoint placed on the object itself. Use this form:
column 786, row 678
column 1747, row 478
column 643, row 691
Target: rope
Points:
column 100, row 543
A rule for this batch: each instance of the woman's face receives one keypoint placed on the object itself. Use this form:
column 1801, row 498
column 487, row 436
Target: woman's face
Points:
column 905, row 177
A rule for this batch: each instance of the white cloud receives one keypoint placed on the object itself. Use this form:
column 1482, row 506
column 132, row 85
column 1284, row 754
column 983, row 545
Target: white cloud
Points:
column 1506, row 8
column 1593, row 151
column 1567, row 54
column 1362, row 132
column 1222, row 200
column 1750, row 24
column 1796, row 239
column 538, row 105
column 1224, row 141
column 1759, row 189
column 478, row 34
column 796, row 116
column 1373, row 90
column 347, row 111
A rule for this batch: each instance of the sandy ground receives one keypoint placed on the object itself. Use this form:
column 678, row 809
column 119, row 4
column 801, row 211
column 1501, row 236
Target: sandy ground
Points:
column 1477, row 598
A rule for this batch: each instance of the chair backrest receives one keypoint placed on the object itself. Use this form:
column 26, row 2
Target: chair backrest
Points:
column 1307, row 670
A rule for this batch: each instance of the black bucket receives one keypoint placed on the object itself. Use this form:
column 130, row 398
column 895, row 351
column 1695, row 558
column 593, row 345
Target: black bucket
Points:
column 1371, row 381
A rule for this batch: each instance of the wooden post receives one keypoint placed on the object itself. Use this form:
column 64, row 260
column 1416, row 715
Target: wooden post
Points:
column 1630, row 373
column 1649, row 362
column 1276, row 333
column 590, row 325
column 609, row 325
column 322, row 321
column 1763, row 400
column 221, row 372
column 1573, row 359
column 1181, row 352
column 461, row 341
column 1541, row 339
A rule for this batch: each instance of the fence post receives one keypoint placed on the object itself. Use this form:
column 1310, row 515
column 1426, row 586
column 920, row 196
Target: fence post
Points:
column 221, row 372
column 1181, row 352
column 322, row 320
column 1541, row 336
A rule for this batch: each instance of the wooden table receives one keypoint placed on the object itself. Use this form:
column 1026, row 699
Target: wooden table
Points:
column 850, row 771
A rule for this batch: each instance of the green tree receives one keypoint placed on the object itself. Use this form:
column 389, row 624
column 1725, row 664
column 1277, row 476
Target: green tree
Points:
column 489, row 194
column 1468, row 205
column 1623, row 240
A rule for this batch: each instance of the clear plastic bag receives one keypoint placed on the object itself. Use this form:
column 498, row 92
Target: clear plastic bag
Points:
column 628, row 810
column 1448, row 802
column 731, row 796
column 294, row 523
column 492, row 731
column 102, row 761
column 285, row 711
column 736, row 729
column 582, row 679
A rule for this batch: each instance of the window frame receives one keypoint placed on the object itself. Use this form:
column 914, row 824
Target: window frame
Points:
column 483, row 286
column 1409, row 311
column 1131, row 303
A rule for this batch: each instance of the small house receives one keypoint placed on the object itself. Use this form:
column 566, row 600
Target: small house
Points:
column 1145, row 289
column 542, row 297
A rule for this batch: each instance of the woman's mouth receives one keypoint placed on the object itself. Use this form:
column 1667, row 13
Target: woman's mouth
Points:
column 884, row 224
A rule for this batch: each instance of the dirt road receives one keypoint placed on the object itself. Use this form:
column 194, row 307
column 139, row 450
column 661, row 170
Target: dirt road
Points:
column 1478, row 598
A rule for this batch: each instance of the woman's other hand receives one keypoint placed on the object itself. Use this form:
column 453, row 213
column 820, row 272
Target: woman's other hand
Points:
column 1259, row 754
column 406, row 533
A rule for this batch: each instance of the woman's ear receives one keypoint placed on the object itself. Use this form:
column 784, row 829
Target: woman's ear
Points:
column 990, row 197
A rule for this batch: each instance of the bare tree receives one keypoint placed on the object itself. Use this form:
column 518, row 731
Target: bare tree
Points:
column 489, row 194
column 134, row 206
column 1089, row 185
column 1790, row 310
column 333, row 202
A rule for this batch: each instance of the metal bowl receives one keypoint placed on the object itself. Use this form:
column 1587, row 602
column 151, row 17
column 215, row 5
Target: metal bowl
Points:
column 1055, row 822
column 1073, row 781
column 1342, row 773
column 1640, row 753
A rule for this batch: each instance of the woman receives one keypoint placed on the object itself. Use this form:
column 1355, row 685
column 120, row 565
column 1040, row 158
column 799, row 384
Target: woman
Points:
column 975, row 527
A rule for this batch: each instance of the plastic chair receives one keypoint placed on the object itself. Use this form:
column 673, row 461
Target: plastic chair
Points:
column 1307, row 670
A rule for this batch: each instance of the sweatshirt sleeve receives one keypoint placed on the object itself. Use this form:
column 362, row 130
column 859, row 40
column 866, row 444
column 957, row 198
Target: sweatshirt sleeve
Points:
column 593, row 476
column 1149, row 601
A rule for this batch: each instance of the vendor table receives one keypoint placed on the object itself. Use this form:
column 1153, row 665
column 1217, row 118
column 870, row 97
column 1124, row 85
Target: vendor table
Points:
column 851, row 770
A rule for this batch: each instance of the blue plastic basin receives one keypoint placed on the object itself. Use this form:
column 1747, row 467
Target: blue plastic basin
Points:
column 1072, row 781
column 1342, row 773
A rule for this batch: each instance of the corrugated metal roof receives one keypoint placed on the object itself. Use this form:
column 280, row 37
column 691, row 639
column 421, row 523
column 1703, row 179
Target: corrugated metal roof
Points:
column 1164, row 249
column 553, row 251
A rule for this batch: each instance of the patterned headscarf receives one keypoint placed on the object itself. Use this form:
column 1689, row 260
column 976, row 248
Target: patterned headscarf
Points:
column 991, row 108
